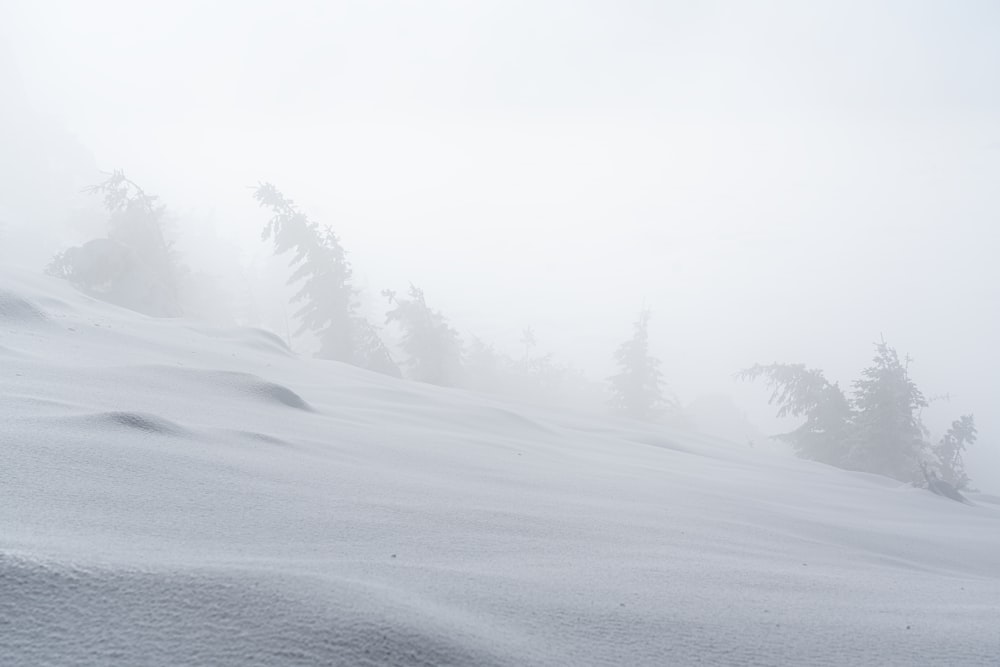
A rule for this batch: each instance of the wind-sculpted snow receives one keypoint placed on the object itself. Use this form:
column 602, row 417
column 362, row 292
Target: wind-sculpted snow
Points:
column 15, row 310
column 7, row 352
column 257, row 339
column 239, row 385
column 173, row 495
column 256, row 437
column 68, row 614
column 138, row 421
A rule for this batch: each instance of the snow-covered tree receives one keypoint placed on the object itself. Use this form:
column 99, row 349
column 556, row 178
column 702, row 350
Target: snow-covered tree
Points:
column 877, row 430
column 802, row 392
column 134, row 266
column 950, row 448
column 637, row 389
column 329, row 307
column 888, row 434
column 433, row 348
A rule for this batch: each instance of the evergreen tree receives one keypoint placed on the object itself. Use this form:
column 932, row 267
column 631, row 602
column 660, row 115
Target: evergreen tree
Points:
column 327, row 296
column 370, row 351
column 878, row 430
column 329, row 300
column 433, row 348
column 949, row 451
column 802, row 392
column 483, row 367
column 529, row 342
column 888, row 434
column 637, row 390
column 541, row 376
column 134, row 266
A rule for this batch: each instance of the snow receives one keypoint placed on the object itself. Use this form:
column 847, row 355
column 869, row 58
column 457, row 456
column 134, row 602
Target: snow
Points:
column 175, row 494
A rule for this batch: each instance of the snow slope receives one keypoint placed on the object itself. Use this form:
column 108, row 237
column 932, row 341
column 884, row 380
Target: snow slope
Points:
column 172, row 494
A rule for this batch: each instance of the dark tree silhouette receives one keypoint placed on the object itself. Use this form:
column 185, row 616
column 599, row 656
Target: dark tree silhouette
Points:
column 433, row 349
column 637, row 389
column 950, row 448
column 328, row 298
column 802, row 392
column 888, row 434
column 134, row 266
column 877, row 430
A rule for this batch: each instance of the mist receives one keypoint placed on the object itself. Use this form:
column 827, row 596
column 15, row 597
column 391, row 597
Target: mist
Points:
column 776, row 182
column 528, row 202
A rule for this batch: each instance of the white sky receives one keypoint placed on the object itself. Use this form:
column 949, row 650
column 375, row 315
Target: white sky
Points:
column 777, row 180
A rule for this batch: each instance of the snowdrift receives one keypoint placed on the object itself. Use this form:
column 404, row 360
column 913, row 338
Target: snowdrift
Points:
column 172, row 494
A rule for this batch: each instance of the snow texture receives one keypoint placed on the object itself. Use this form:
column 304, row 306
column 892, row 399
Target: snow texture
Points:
column 172, row 494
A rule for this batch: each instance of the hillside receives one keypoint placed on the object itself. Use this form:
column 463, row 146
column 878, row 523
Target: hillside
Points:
column 174, row 494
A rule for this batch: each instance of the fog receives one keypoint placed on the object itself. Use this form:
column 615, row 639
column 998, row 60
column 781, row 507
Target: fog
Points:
column 776, row 181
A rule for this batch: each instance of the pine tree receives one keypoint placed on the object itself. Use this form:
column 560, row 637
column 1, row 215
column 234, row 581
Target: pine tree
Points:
column 888, row 434
column 949, row 451
column 328, row 297
column 433, row 348
column 529, row 342
column 483, row 367
column 802, row 392
column 370, row 351
column 637, row 390
column 326, row 293
column 134, row 266
column 877, row 430
column 541, row 376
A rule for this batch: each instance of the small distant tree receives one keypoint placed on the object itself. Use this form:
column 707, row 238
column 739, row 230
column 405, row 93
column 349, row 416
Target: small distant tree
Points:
column 529, row 342
column 802, row 392
column 637, row 389
column 134, row 266
column 433, row 348
column 539, row 374
column 483, row 367
column 950, row 448
column 888, row 434
column 329, row 307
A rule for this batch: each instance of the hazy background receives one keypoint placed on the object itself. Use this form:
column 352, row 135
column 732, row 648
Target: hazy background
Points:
column 778, row 181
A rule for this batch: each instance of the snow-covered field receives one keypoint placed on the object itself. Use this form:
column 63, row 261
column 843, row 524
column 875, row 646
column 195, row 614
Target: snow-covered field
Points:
column 173, row 494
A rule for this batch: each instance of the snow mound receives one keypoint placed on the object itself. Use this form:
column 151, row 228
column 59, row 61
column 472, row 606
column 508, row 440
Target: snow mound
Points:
column 249, row 337
column 136, row 421
column 222, row 384
column 254, row 388
column 15, row 309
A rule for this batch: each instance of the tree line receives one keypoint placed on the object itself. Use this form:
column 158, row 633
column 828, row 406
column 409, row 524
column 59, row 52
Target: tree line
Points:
column 875, row 428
